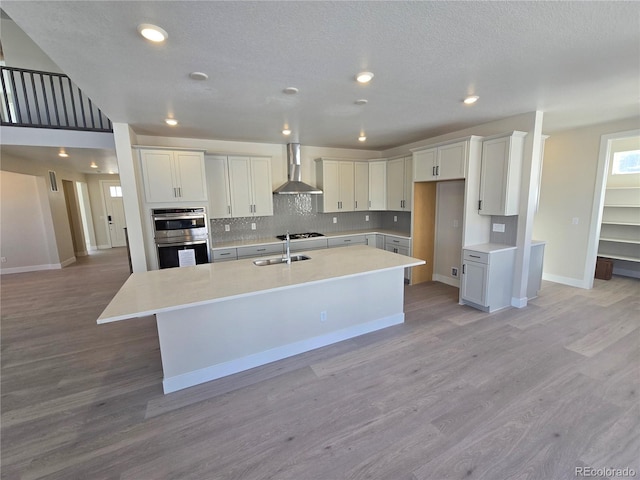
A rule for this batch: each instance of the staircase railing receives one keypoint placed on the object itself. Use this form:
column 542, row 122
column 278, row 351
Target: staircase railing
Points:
column 30, row 98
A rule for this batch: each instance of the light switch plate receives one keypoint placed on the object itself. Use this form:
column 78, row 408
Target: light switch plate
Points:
column 366, row 218
column 395, row 218
column 498, row 227
column 253, row 226
column 335, row 219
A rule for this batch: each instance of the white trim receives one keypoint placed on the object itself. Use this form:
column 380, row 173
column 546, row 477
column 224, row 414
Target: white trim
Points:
column 572, row 282
column 519, row 302
column 185, row 380
column 30, row 268
column 598, row 204
column 68, row 261
column 104, row 247
column 446, row 280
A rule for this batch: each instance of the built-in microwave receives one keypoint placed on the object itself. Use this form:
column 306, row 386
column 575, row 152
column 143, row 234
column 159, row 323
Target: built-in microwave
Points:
column 177, row 229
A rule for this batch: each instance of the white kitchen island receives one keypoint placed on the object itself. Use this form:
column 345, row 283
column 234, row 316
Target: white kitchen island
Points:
column 218, row 319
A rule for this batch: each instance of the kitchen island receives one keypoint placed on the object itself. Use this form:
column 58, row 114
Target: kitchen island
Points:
column 218, row 319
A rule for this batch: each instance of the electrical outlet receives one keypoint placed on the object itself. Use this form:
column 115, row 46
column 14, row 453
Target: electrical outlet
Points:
column 323, row 316
column 335, row 219
column 227, row 228
column 366, row 218
column 575, row 220
column 253, row 226
column 454, row 272
column 3, row 259
column 395, row 218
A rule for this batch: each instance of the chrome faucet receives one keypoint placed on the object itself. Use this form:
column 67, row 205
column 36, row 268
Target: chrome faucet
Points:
column 288, row 244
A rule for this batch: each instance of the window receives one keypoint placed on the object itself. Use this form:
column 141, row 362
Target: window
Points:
column 115, row 191
column 626, row 162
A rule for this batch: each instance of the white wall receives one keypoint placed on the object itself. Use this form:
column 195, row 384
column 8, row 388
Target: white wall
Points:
column 567, row 192
column 21, row 52
column 27, row 240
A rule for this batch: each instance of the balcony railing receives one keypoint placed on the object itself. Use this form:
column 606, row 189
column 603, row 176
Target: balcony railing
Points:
column 48, row 100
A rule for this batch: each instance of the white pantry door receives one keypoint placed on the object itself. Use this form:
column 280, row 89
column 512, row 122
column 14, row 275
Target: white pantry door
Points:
column 112, row 193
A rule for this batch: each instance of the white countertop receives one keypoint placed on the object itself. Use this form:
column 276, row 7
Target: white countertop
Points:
column 490, row 247
column 268, row 240
column 147, row 293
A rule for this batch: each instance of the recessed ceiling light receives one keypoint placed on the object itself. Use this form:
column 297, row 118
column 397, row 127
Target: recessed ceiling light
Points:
column 361, row 101
column 152, row 32
column 171, row 121
column 63, row 154
column 290, row 90
column 471, row 99
column 286, row 131
column 362, row 138
column 93, row 165
column 364, row 77
column 198, row 76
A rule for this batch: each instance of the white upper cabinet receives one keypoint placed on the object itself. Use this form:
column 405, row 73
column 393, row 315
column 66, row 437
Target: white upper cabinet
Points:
column 173, row 175
column 336, row 178
column 250, row 186
column 500, row 174
column 399, row 184
column 378, row 185
column 443, row 162
column 361, row 185
column 217, row 170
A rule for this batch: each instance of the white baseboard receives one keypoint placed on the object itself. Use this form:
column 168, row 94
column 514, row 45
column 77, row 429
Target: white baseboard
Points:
column 103, row 247
column 68, row 261
column 572, row 282
column 185, row 380
column 446, row 280
column 30, row 268
column 519, row 302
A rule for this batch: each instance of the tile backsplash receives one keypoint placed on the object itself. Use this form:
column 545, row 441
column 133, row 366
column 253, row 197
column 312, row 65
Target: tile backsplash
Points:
column 510, row 234
column 298, row 214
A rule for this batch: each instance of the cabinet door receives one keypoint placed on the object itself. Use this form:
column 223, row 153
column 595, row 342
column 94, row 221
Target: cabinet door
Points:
column 451, row 161
column 158, row 174
column 395, row 184
column 262, row 186
column 378, row 185
column 361, row 172
column 346, row 182
column 240, row 186
column 424, row 165
column 218, row 186
column 330, row 186
column 190, row 176
column 493, row 176
column 408, row 183
column 474, row 282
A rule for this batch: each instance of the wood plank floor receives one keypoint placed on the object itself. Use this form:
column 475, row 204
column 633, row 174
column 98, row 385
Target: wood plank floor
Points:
column 453, row 393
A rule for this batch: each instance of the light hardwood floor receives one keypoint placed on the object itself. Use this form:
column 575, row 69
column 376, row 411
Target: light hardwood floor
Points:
column 453, row 393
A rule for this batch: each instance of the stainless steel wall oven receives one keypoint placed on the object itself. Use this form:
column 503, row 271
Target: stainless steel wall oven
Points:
column 177, row 229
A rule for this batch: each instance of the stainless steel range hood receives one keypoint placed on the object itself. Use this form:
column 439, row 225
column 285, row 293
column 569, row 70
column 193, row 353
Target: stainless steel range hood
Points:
column 294, row 184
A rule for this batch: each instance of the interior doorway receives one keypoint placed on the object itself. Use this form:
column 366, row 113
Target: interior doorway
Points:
column 114, row 209
column 616, row 210
column 75, row 221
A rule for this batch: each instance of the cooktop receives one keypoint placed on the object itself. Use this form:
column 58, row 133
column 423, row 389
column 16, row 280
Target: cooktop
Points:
column 297, row 236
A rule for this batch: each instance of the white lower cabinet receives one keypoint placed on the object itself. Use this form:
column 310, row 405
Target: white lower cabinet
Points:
column 401, row 246
column 224, row 255
column 375, row 240
column 261, row 250
column 487, row 278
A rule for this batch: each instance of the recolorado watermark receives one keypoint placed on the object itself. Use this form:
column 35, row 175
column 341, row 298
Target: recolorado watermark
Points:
column 605, row 472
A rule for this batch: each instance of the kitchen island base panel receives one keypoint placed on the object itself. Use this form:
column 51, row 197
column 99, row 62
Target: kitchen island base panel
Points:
column 206, row 342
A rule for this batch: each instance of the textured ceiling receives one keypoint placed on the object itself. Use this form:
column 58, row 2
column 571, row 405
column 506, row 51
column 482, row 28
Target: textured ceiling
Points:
column 579, row 62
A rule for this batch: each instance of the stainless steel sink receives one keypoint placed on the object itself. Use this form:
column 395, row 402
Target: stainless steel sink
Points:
column 280, row 260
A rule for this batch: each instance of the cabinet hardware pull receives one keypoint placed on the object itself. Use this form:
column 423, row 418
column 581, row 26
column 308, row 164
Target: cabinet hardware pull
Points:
column 479, row 204
column 261, row 249
column 356, row 204
column 474, row 256
column 463, row 269
column 438, row 170
column 229, row 209
column 228, row 253
column 433, row 171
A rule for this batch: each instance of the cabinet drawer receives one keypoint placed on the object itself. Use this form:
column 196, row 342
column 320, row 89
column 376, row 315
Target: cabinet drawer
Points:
column 260, row 250
column 315, row 244
column 346, row 241
column 473, row 256
column 396, row 241
column 225, row 254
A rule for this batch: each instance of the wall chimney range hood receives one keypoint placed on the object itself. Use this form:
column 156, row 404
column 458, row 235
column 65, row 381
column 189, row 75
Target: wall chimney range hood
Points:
column 294, row 184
